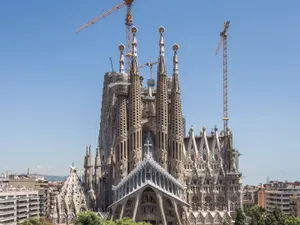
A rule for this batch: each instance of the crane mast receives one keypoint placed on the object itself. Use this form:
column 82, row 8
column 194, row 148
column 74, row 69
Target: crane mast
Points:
column 150, row 82
column 223, row 40
column 128, row 23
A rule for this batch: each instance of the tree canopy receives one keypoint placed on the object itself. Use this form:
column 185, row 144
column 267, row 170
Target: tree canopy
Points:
column 36, row 221
column 258, row 216
column 90, row 218
column 240, row 217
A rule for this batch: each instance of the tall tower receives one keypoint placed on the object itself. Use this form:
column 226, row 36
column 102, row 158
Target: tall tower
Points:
column 176, row 134
column 121, row 124
column 161, row 105
column 135, row 109
column 88, row 167
column 97, row 173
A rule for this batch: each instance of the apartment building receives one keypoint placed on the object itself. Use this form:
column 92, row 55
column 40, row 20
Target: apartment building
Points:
column 250, row 196
column 279, row 193
column 295, row 205
column 18, row 205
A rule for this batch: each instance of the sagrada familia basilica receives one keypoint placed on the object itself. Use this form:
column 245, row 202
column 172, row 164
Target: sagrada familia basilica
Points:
column 145, row 168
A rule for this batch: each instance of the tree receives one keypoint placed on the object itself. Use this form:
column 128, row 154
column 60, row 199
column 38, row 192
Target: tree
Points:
column 276, row 217
column 257, row 215
column 128, row 221
column 291, row 220
column 88, row 218
column 240, row 217
column 36, row 221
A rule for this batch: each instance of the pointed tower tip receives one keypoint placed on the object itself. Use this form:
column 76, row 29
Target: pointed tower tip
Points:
column 134, row 30
column 161, row 59
column 161, row 41
column 175, row 59
column 175, row 47
column 121, row 49
column 134, row 63
column 161, row 30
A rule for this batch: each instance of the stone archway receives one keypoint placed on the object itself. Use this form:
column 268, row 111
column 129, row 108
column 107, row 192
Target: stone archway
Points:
column 118, row 212
column 129, row 207
column 169, row 210
column 148, row 209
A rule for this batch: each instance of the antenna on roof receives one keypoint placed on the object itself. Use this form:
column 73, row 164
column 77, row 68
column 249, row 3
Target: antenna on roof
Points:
column 111, row 64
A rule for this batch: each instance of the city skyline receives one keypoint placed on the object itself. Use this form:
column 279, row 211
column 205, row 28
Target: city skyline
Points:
column 51, row 79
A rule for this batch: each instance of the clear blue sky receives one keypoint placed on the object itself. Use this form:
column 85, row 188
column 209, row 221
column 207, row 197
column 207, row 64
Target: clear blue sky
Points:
column 51, row 79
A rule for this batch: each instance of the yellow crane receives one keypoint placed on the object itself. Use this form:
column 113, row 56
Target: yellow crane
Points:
column 223, row 40
column 128, row 23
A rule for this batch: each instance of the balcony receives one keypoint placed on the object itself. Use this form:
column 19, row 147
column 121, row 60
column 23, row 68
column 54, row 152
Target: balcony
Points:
column 34, row 208
column 7, row 206
column 4, row 219
column 20, row 210
column 23, row 204
column 10, row 211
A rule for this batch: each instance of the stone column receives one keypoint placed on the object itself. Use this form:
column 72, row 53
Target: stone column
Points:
column 137, row 202
column 159, row 198
column 176, row 211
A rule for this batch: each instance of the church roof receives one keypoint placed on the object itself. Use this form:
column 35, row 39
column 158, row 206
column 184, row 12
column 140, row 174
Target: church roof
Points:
column 153, row 186
column 149, row 160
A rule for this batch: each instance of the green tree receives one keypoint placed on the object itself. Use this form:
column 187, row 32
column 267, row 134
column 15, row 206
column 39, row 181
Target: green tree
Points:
column 257, row 215
column 36, row 221
column 291, row 220
column 88, row 218
column 240, row 217
column 128, row 221
column 276, row 217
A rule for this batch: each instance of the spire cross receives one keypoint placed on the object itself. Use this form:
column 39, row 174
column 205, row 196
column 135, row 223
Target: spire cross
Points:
column 148, row 145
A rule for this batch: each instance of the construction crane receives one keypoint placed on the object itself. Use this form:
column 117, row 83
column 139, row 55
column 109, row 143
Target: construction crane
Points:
column 223, row 40
column 150, row 64
column 128, row 23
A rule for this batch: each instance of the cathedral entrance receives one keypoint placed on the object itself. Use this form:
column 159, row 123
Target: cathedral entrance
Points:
column 148, row 210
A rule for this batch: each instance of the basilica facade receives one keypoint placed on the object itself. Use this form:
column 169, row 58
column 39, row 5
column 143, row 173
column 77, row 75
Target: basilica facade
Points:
column 145, row 168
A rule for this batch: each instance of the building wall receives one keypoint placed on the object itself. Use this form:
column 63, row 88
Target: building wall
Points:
column 16, row 206
column 295, row 206
column 22, row 183
column 262, row 197
column 250, row 196
column 280, row 196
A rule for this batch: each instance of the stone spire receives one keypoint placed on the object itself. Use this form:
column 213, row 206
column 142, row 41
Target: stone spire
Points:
column 135, row 110
column 121, row 146
column 134, row 60
column 88, row 167
column 85, row 165
column 121, row 49
column 161, row 106
column 176, row 124
column 161, row 59
column 97, row 173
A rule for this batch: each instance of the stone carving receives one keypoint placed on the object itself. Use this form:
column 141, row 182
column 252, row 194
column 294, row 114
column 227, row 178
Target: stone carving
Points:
column 70, row 200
